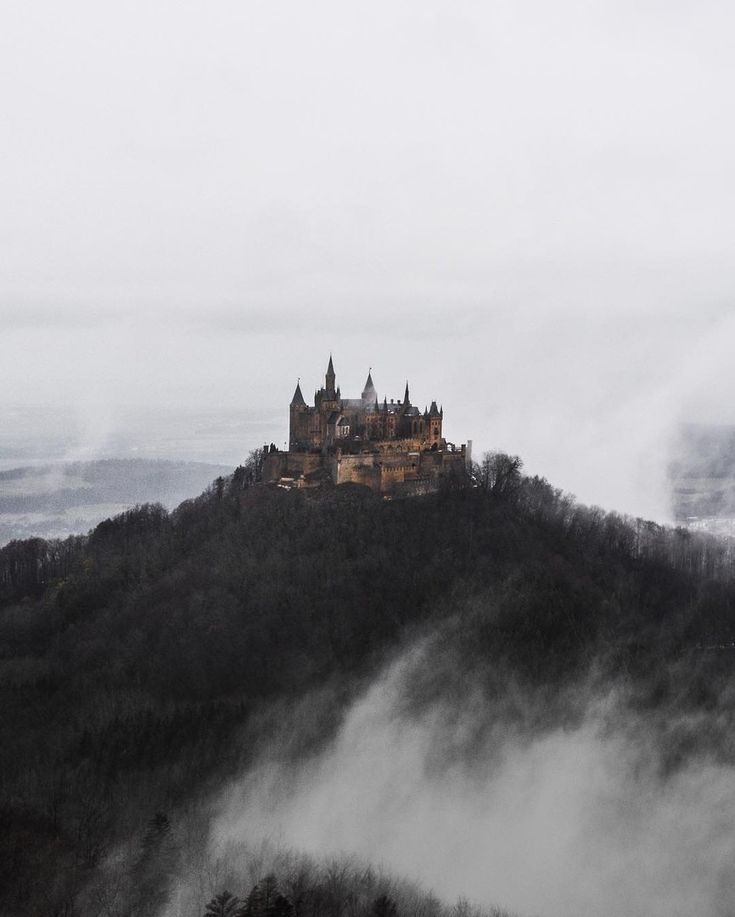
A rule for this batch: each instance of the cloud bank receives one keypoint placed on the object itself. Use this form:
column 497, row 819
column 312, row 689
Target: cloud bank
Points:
column 563, row 823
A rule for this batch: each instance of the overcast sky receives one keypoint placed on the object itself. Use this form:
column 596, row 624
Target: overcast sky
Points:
column 528, row 208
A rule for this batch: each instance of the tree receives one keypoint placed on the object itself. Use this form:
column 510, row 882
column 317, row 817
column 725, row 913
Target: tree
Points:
column 155, row 867
column 251, row 472
column 260, row 900
column 224, row 905
column 266, row 901
column 499, row 474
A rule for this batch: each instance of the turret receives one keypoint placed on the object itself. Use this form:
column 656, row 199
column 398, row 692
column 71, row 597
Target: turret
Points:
column 406, row 400
column 298, row 432
column 330, row 379
column 368, row 393
column 435, row 426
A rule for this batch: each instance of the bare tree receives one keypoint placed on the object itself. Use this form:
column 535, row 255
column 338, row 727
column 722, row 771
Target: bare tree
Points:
column 499, row 473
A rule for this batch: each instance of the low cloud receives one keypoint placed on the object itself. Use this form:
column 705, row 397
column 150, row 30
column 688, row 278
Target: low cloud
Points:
column 564, row 823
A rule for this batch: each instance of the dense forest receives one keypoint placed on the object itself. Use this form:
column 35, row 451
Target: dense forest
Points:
column 145, row 664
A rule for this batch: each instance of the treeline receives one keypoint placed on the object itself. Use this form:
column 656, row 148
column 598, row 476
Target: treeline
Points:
column 300, row 887
column 266, row 881
column 611, row 533
column 142, row 664
column 28, row 567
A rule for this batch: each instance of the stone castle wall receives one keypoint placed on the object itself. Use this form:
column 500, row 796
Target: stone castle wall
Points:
column 388, row 472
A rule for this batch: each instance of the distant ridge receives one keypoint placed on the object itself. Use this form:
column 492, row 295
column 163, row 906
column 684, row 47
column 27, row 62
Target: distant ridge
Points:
column 63, row 498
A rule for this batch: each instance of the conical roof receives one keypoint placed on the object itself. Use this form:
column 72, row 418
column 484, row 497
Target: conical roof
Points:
column 368, row 393
column 433, row 410
column 406, row 400
column 298, row 398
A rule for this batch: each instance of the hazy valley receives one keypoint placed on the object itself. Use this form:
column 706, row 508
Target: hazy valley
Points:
column 51, row 501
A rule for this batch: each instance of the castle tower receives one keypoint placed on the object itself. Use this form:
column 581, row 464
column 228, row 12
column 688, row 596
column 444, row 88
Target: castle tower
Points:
column 435, row 426
column 298, row 430
column 331, row 379
column 369, row 395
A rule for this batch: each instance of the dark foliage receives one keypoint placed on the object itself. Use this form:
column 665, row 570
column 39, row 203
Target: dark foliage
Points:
column 131, row 657
column 224, row 905
column 383, row 906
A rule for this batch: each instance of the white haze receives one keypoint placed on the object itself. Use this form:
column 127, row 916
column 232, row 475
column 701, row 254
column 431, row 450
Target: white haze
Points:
column 568, row 824
column 525, row 207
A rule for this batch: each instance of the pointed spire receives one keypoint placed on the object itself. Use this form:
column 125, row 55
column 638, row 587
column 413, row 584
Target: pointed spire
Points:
column 433, row 410
column 330, row 378
column 368, row 393
column 406, row 400
column 298, row 398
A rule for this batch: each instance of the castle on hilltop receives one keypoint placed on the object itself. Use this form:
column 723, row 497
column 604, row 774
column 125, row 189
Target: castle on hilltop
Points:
column 390, row 446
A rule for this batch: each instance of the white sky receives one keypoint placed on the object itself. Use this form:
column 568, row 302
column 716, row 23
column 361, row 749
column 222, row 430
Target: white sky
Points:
column 528, row 208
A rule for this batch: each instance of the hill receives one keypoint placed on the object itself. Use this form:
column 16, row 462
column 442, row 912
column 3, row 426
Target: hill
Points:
column 151, row 666
column 53, row 500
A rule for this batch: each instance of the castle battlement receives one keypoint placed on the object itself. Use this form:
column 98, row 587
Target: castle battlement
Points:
column 390, row 446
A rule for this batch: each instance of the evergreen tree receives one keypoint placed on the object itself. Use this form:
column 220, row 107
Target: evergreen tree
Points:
column 155, row 867
column 266, row 901
column 224, row 905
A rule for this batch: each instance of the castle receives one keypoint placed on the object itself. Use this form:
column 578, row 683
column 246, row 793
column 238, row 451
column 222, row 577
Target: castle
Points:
column 390, row 446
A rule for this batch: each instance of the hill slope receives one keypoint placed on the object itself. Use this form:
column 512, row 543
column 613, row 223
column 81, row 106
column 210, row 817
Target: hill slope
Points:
column 146, row 666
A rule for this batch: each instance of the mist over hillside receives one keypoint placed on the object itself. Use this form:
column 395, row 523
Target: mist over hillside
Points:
column 490, row 693
column 702, row 477
column 54, row 500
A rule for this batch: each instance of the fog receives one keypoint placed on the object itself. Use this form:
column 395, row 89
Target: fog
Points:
column 526, row 209
column 557, row 822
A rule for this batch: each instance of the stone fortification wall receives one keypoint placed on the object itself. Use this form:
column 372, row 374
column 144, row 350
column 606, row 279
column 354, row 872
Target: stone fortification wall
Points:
column 291, row 465
column 388, row 472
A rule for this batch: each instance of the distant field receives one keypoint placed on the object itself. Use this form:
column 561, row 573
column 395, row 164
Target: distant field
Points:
column 702, row 476
column 55, row 500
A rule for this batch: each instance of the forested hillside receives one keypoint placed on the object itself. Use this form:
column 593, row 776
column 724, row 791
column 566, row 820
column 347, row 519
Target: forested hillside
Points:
column 144, row 665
